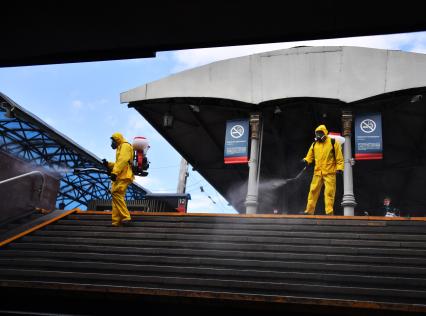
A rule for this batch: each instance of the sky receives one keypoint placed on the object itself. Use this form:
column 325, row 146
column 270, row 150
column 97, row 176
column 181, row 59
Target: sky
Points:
column 82, row 101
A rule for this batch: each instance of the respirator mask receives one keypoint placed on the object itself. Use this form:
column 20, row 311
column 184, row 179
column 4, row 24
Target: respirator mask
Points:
column 319, row 136
column 114, row 144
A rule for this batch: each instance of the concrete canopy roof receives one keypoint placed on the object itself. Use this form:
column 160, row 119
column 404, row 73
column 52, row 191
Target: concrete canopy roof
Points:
column 296, row 90
column 292, row 73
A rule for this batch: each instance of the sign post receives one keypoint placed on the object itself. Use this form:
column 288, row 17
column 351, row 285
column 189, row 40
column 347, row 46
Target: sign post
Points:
column 368, row 137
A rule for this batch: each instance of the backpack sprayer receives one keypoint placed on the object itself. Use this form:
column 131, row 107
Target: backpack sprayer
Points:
column 139, row 164
column 140, row 161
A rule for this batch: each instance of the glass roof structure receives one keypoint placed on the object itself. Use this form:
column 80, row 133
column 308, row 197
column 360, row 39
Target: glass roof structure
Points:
column 24, row 135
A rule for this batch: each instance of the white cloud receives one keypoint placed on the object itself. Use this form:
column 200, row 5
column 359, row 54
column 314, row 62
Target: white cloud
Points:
column 138, row 126
column 110, row 120
column 93, row 105
column 418, row 43
column 200, row 203
column 76, row 104
column 136, row 122
column 90, row 105
column 153, row 184
column 148, row 182
column 413, row 42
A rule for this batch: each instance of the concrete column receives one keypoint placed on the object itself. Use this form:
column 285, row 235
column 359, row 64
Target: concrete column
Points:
column 252, row 188
column 183, row 175
column 348, row 201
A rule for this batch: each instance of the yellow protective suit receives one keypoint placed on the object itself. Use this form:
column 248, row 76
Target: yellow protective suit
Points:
column 326, row 166
column 122, row 169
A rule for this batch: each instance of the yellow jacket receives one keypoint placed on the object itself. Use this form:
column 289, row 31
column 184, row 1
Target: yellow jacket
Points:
column 123, row 159
column 323, row 156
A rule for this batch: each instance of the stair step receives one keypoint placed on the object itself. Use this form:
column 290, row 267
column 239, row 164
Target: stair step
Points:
column 386, row 229
column 220, row 262
column 235, row 253
column 225, row 245
column 228, row 273
column 233, row 238
column 277, row 233
column 232, row 286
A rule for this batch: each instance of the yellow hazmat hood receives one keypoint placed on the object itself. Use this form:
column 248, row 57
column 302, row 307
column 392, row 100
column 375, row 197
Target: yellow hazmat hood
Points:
column 118, row 137
column 322, row 128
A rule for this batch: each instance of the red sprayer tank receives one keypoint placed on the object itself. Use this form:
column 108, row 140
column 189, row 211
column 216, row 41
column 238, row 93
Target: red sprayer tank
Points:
column 140, row 161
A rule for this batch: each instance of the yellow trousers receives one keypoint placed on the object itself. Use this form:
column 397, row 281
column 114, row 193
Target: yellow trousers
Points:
column 330, row 190
column 119, row 208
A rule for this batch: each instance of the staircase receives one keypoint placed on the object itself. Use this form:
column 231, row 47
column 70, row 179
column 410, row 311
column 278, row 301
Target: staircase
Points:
column 13, row 223
column 364, row 265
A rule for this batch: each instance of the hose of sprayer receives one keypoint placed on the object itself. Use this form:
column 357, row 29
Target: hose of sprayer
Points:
column 82, row 170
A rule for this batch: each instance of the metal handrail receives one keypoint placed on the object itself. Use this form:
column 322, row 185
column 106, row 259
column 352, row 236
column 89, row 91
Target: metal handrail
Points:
column 28, row 174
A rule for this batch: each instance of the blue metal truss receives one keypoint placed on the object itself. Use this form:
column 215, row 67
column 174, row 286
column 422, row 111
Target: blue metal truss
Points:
column 27, row 137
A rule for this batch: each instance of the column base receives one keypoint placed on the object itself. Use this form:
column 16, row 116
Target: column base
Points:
column 348, row 204
column 251, row 206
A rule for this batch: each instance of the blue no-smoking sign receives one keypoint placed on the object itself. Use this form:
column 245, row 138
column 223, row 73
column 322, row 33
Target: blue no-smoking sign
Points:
column 368, row 137
column 236, row 141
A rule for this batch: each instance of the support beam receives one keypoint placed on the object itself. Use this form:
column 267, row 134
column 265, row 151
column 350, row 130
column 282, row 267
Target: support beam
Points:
column 183, row 175
column 348, row 201
column 252, row 188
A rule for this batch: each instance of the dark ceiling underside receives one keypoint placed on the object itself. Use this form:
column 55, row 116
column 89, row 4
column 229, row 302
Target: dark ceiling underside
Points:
column 41, row 33
column 199, row 137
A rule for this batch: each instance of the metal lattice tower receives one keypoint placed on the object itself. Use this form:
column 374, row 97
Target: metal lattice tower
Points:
column 24, row 135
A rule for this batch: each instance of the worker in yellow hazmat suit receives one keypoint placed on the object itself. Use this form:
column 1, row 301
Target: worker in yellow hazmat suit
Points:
column 121, row 175
column 327, row 155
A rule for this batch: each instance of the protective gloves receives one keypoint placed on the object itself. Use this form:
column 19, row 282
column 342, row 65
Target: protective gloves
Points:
column 105, row 162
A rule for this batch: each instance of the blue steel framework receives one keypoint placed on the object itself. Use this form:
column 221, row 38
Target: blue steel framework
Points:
column 25, row 136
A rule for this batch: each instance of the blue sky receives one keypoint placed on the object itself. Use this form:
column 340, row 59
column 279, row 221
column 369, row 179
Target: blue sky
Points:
column 82, row 101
